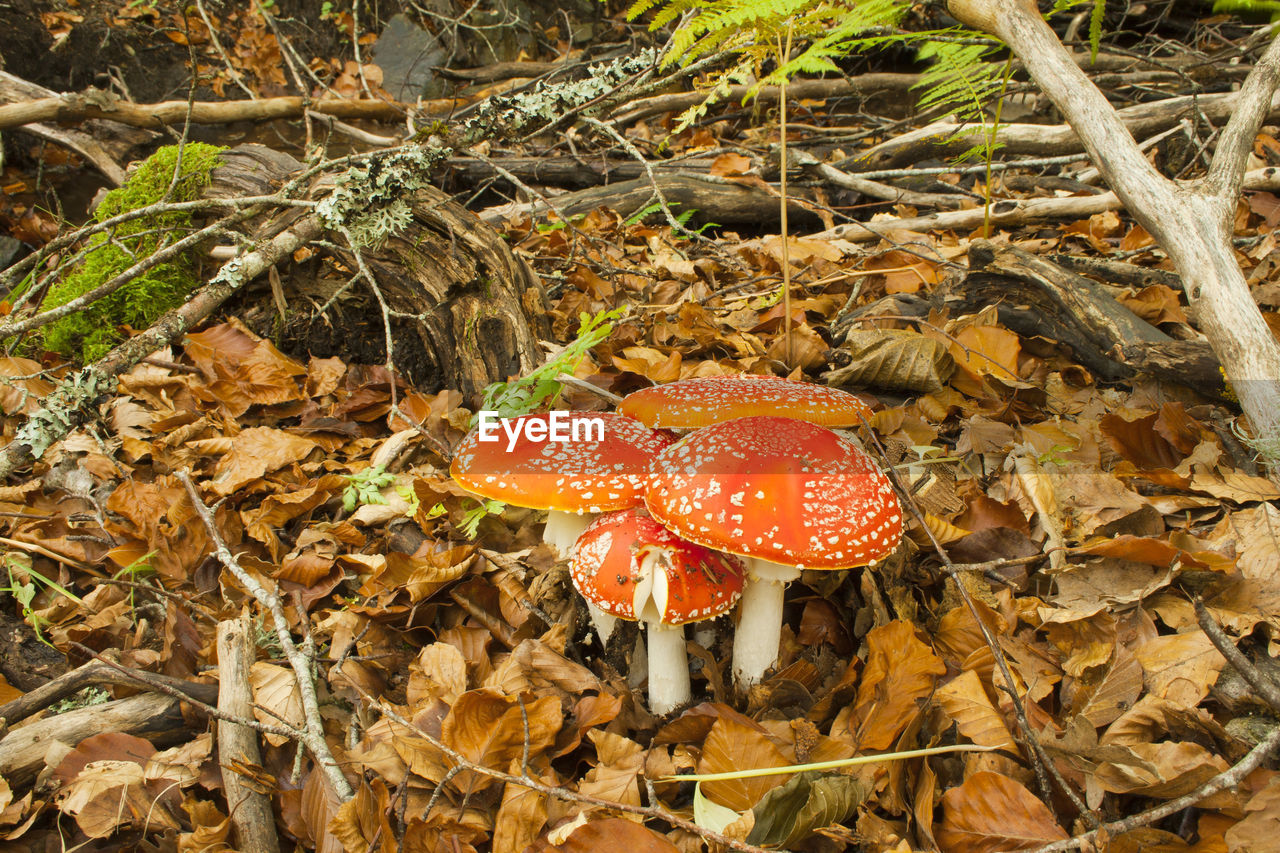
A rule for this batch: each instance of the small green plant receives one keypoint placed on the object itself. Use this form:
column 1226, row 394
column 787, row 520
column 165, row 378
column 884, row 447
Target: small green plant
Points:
column 366, row 487
column 138, row 570
column 470, row 524
column 91, row 332
column 682, row 218
column 24, row 585
column 524, row 395
column 559, row 224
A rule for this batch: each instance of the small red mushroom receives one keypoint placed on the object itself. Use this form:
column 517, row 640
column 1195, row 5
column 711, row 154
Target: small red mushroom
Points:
column 707, row 400
column 785, row 494
column 631, row 566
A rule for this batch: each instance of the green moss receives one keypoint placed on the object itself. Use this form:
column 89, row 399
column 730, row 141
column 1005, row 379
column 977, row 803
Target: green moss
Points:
column 91, row 332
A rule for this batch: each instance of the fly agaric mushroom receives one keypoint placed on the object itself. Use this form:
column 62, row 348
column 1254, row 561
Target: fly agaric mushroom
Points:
column 785, row 494
column 575, row 480
column 634, row 568
column 706, row 400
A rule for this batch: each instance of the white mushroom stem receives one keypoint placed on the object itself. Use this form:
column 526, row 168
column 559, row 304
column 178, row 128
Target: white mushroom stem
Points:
column 668, row 668
column 564, row 528
column 755, row 644
column 668, row 663
column 561, row 532
column 604, row 623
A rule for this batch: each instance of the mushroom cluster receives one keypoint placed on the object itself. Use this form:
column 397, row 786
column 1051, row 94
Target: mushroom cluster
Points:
column 762, row 475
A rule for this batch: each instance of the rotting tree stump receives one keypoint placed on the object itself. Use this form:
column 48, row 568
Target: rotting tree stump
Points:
column 464, row 309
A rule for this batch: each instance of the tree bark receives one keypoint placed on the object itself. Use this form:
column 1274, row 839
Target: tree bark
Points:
column 1191, row 221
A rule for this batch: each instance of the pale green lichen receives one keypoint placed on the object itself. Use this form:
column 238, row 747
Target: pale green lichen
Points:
column 75, row 393
column 546, row 103
column 370, row 201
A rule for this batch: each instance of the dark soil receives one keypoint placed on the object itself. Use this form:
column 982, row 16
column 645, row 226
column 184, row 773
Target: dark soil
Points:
column 152, row 66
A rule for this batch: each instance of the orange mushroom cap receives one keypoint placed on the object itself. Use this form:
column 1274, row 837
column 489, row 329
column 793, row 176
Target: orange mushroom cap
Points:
column 609, row 569
column 706, row 400
column 565, row 476
column 776, row 489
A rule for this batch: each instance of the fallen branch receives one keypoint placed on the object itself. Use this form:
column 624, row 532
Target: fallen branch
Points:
column 105, row 144
column 96, row 673
column 250, row 809
column 23, row 750
column 1010, row 212
column 99, row 105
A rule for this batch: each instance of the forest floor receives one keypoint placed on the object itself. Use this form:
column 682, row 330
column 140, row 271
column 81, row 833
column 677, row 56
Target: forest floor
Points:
column 1082, row 613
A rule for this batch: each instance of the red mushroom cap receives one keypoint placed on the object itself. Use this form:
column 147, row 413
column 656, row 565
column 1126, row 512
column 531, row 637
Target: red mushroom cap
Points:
column 607, row 570
column 566, row 476
column 707, row 400
column 778, row 489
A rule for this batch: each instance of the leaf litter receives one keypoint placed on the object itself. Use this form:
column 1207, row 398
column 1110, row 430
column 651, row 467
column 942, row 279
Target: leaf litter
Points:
column 460, row 688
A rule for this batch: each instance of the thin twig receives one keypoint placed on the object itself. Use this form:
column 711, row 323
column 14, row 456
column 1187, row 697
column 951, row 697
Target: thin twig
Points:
column 312, row 736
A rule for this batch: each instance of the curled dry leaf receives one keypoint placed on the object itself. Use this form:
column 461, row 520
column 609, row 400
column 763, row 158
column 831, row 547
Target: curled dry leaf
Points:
column 488, row 729
column 966, row 702
column 893, row 359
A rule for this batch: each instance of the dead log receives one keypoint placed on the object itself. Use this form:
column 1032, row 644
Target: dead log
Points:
column 714, row 200
column 465, row 309
column 1035, row 296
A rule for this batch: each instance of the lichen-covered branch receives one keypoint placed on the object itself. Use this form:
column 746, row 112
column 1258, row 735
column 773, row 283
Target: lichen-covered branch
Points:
column 71, row 402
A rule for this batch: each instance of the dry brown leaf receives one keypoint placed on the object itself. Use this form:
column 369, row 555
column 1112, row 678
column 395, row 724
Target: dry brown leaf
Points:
column 966, row 702
column 616, row 776
column 893, row 359
column 730, row 746
column 363, row 818
column 1260, row 827
column 520, row 817
column 991, row 813
column 1118, row 690
column 274, row 687
column 1165, row 770
column 489, row 730
column 987, row 351
column 254, row 453
column 1180, row 667
column 107, row 796
column 900, row 671
column 615, row 834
